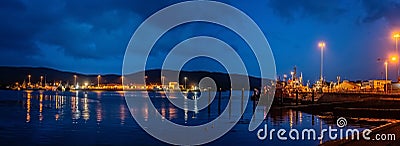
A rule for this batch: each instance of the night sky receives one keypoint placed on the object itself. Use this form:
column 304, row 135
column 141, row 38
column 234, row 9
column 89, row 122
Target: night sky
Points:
column 91, row 36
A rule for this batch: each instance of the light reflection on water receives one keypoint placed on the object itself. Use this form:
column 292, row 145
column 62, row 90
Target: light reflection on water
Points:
column 79, row 107
column 82, row 118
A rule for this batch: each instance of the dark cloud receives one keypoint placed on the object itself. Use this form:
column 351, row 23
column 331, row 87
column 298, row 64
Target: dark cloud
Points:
column 88, row 29
column 328, row 11
column 388, row 10
column 322, row 10
column 91, row 35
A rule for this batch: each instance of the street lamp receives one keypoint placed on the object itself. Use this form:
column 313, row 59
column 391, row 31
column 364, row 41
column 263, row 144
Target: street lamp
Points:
column 29, row 79
column 292, row 73
column 41, row 80
column 284, row 77
column 185, row 81
column 75, row 76
column 393, row 58
column 98, row 80
column 322, row 46
column 386, row 76
column 396, row 37
column 122, row 81
column 162, row 81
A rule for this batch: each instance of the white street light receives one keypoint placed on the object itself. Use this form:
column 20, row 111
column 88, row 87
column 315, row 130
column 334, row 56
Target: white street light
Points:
column 29, row 79
column 162, row 81
column 41, row 80
column 386, row 76
column 98, row 80
column 185, row 81
column 75, row 76
column 322, row 45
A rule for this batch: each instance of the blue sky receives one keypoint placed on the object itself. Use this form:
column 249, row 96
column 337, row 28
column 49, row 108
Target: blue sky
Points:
column 91, row 36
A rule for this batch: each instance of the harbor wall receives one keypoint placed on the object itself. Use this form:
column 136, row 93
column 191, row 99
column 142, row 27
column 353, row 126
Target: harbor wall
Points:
column 343, row 97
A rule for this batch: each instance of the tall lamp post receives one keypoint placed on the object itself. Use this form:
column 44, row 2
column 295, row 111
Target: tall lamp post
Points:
column 162, row 81
column 396, row 37
column 75, row 76
column 122, row 81
column 322, row 45
column 185, row 81
column 41, row 80
column 29, row 79
column 386, row 76
column 98, row 80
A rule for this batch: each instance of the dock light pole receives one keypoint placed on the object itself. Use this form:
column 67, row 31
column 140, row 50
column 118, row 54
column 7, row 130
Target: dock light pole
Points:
column 122, row 81
column 75, row 76
column 322, row 45
column 185, row 78
column 98, row 80
column 29, row 79
column 162, row 81
column 386, row 76
column 396, row 37
column 284, row 77
column 292, row 73
column 41, row 80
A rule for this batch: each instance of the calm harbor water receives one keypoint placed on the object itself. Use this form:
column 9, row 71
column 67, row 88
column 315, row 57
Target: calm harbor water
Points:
column 103, row 118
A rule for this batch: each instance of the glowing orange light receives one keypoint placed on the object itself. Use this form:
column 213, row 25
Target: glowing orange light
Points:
column 393, row 58
column 397, row 35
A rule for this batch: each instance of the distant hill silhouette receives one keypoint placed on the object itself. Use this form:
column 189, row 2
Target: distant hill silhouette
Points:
column 10, row 75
